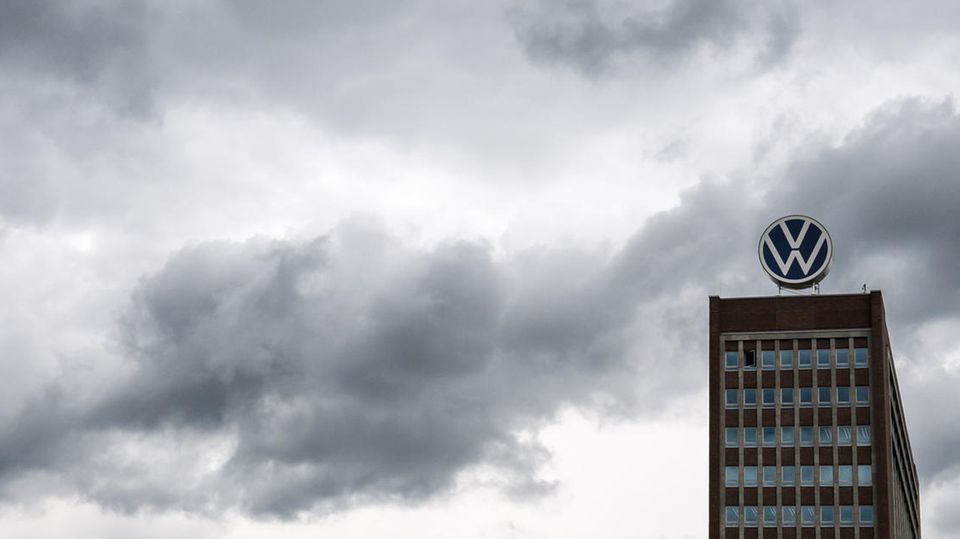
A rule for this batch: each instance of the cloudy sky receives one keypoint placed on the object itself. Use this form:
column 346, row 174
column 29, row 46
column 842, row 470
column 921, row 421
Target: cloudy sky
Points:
column 381, row 268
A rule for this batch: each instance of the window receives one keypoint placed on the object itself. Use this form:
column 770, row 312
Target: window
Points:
column 749, row 476
column 750, row 516
column 866, row 515
column 806, row 397
column 846, row 515
column 749, row 360
column 803, row 359
column 826, row 436
column 769, row 476
column 806, row 436
column 826, row 475
column 826, row 515
column 786, row 359
column 845, row 475
column 864, row 475
column 769, row 398
column 806, row 476
column 769, row 437
column 732, row 437
column 823, row 359
column 789, row 516
column 786, row 397
column 749, row 398
column 787, row 436
column 860, row 357
column 770, row 517
column 863, row 396
column 808, row 515
column 767, row 357
column 864, row 435
column 844, row 436
column 823, row 396
column 731, row 398
column 731, row 476
column 733, row 516
column 789, row 476
column 731, row 361
column 843, row 396
column 750, row 437
column 843, row 358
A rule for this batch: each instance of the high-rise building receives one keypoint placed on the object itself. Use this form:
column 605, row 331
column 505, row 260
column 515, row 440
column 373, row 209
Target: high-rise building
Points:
column 807, row 431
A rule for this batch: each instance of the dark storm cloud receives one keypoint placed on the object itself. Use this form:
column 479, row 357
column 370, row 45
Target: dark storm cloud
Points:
column 352, row 369
column 594, row 35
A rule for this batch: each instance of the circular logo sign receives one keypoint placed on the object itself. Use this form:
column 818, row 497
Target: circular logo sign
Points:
column 795, row 251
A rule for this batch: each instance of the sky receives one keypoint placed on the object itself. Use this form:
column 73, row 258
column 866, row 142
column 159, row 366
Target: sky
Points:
column 421, row 268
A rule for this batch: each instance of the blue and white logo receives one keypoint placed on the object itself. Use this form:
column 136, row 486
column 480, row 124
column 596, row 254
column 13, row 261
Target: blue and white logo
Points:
column 795, row 251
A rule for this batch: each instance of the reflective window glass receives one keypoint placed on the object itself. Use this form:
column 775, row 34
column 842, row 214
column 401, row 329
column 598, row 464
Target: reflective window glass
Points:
column 863, row 396
column 866, row 515
column 864, row 475
column 769, row 476
column 767, row 357
column 806, row 436
column 749, row 476
column 786, row 359
column 750, row 398
column 845, row 475
column 826, row 514
column 826, row 475
column 823, row 396
column 844, row 436
column 786, row 397
column 732, row 437
column 770, row 517
column 789, row 516
column 731, row 476
column 731, row 398
column 826, row 436
column 733, row 516
column 769, row 437
column 864, row 435
column 803, row 359
column 789, row 475
column 769, row 398
column 843, row 358
column 843, row 396
column 806, row 396
column 749, row 360
column 750, row 437
column 787, row 436
column 750, row 516
column 808, row 515
column 806, row 476
column 823, row 359
column 860, row 357
column 846, row 515
column 732, row 360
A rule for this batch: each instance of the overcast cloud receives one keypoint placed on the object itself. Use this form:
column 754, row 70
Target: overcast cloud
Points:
column 328, row 266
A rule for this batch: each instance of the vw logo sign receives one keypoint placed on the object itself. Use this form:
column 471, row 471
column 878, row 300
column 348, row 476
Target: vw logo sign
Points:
column 795, row 251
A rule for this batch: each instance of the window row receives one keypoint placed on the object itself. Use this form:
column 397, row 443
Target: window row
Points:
column 788, row 436
column 804, row 359
column 823, row 476
column 808, row 516
column 804, row 395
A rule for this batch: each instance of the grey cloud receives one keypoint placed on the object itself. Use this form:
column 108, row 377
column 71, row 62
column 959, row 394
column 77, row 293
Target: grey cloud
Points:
column 354, row 369
column 594, row 36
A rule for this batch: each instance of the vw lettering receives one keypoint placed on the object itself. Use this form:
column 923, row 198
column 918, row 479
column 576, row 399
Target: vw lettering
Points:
column 796, row 251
